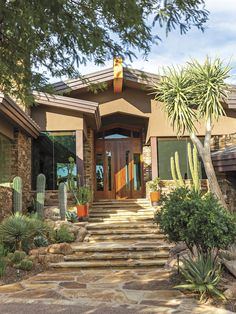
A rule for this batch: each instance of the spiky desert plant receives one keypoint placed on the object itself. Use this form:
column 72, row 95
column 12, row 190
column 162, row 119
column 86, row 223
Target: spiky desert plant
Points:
column 194, row 167
column 196, row 92
column 40, row 193
column 175, row 170
column 17, row 194
column 201, row 275
column 62, row 197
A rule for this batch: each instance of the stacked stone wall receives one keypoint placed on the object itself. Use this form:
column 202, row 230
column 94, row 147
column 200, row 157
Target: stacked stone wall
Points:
column 89, row 163
column 5, row 202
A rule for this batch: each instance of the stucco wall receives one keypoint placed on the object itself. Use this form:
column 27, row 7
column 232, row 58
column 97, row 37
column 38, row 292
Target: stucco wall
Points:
column 57, row 119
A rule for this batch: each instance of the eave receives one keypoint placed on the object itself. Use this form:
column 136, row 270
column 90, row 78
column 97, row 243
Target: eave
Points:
column 15, row 115
column 225, row 160
column 87, row 108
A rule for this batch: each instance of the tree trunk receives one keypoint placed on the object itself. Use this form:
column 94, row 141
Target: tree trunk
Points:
column 205, row 154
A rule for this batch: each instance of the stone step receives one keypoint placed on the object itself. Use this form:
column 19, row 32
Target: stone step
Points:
column 125, row 237
column 124, row 231
column 119, row 220
column 140, row 246
column 121, row 206
column 118, row 225
column 111, row 263
column 129, row 200
column 117, row 255
column 120, row 216
column 122, row 210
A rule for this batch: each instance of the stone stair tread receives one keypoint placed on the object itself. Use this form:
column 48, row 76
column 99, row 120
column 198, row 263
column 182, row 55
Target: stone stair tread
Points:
column 121, row 246
column 123, row 255
column 122, row 231
column 121, row 225
column 96, row 238
column 111, row 263
column 117, row 219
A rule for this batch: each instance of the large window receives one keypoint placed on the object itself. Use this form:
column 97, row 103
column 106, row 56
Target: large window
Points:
column 51, row 154
column 166, row 149
column 5, row 159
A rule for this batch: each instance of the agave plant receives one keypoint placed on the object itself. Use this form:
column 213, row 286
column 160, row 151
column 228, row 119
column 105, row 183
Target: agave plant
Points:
column 202, row 275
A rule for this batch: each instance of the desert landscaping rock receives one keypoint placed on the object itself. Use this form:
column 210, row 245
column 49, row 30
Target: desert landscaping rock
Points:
column 60, row 248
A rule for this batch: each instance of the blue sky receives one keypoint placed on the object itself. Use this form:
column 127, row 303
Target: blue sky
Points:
column 218, row 40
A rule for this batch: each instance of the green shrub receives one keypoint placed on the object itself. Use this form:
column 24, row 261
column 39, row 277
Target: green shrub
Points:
column 197, row 220
column 63, row 234
column 40, row 241
column 71, row 216
column 18, row 231
column 201, row 275
column 16, row 257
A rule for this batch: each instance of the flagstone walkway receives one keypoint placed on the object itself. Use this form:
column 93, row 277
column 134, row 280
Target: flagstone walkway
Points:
column 99, row 291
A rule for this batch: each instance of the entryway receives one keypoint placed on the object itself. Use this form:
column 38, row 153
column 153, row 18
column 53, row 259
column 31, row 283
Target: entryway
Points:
column 119, row 168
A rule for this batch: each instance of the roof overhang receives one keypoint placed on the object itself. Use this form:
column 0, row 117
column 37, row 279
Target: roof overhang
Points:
column 89, row 109
column 224, row 160
column 17, row 117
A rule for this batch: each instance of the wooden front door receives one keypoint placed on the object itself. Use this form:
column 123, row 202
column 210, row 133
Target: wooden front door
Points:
column 119, row 171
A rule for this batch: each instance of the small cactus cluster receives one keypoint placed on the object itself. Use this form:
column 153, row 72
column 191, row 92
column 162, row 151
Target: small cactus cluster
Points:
column 193, row 166
column 62, row 197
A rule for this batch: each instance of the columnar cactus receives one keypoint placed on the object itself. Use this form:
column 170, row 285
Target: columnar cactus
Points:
column 62, row 197
column 175, row 170
column 40, row 193
column 194, row 166
column 17, row 194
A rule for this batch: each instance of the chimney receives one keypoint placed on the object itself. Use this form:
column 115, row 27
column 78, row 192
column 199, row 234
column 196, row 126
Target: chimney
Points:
column 118, row 75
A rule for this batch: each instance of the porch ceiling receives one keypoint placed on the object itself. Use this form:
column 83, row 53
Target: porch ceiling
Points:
column 17, row 117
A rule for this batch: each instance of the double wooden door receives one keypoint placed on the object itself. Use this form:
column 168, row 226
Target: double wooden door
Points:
column 119, row 171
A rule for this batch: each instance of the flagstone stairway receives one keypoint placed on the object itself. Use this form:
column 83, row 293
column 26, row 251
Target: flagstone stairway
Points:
column 121, row 233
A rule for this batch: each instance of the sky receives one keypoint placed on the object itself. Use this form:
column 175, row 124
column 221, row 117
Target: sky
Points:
column 218, row 40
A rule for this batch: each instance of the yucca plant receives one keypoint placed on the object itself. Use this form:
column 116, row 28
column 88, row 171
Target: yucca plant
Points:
column 194, row 93
column 202, row 275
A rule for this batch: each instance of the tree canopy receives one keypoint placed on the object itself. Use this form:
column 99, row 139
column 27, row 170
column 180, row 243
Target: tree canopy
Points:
column 60, row 35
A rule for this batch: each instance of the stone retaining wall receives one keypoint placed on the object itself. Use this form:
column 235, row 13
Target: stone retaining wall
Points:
column 5, row 202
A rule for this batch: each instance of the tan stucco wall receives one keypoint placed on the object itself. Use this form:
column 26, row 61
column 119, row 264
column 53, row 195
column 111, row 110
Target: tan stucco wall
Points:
column 160, row 126
column 57, row 119
column 130, row 101
column 6, row 128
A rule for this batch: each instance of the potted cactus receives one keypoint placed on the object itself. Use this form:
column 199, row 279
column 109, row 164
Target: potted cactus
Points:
column 155, row 193
column 82, row 199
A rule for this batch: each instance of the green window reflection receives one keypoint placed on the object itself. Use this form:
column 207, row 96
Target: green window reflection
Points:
column 54, row 155
column 99, row 173
column 137, row 172
column 5, row 159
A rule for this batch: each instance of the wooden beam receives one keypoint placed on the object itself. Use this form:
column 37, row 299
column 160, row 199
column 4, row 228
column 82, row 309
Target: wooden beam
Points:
column 118, row 75
column 80, row 154
column 154, row 156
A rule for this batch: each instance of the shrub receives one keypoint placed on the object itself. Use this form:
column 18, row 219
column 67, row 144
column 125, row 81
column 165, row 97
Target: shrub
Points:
column 40, row 241
column 197, row 220
column 18, row 231
column 202, row 275
column 63, row 234
column 71, row 216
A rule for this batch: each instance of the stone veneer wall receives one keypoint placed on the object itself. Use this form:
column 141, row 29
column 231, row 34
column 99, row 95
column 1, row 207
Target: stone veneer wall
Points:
column 147, row 163
column 5, row 202
column 89, row 166
column 21, row 164
column 223, row 141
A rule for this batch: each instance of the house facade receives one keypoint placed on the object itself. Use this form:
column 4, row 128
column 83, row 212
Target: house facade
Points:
column 108, row 122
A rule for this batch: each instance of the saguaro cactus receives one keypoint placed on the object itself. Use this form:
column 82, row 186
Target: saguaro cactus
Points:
column 62, row 197
column 17, row 194
column 175, row 170
column 194, row 166
column 40, row 193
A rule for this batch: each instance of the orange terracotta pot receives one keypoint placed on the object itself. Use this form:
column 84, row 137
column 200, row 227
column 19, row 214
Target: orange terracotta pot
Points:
column 82, row 210
column 155, row 196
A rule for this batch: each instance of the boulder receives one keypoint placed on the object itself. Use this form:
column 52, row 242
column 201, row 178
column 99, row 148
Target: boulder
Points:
column 71, row 227
column 230, row 293
column 231, row 266
column 81, row 235
column 50, row 258
column 38, row 251
column 60, row 248
column 178, row 248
